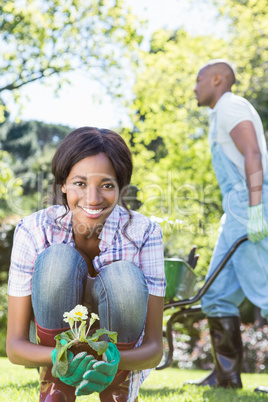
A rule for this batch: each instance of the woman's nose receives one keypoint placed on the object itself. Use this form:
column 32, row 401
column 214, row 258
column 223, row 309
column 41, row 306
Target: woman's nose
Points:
column 93, row 196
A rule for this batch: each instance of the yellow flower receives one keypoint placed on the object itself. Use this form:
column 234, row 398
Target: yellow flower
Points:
column 79, row 313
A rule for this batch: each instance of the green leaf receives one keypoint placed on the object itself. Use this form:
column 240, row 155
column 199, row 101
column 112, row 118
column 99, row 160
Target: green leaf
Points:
column 60, row 366
column 99, row 332
column 99, row 347
column 68, row 336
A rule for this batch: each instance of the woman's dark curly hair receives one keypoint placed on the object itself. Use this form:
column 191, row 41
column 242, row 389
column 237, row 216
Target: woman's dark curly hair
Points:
column 88, row 141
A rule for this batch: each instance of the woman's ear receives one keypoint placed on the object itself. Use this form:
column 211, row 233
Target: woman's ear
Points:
column 63, row 188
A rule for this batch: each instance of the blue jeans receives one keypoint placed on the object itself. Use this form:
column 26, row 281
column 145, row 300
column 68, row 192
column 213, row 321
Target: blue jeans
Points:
column 246, row 273
column 119, row 292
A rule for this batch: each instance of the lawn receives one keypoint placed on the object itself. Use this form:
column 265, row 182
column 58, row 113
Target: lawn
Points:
column 18, row 384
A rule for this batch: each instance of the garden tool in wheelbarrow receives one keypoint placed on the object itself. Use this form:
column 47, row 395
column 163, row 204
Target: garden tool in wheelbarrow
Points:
column 192, row 257
column 180, row 284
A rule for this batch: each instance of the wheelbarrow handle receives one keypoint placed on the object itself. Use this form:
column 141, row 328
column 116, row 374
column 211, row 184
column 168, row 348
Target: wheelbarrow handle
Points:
column 202, row 291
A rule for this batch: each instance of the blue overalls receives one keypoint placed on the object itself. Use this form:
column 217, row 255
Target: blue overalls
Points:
column 246, row 273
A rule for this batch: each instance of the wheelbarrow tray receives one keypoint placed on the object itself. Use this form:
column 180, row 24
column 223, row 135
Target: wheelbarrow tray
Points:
column 180, row 278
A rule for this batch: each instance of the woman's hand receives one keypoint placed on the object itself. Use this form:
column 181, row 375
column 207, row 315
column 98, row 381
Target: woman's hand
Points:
column 77, row 366
column 100, row 374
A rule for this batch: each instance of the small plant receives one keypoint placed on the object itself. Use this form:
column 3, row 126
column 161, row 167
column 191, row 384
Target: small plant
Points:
column 77, row 338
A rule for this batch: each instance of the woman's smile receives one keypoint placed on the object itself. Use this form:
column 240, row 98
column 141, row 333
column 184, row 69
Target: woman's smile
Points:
column 92, row 212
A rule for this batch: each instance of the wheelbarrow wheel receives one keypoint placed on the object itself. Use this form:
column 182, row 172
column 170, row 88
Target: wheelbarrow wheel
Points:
column 165, row 352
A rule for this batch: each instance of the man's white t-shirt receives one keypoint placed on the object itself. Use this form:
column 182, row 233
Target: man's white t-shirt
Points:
column 229, row 111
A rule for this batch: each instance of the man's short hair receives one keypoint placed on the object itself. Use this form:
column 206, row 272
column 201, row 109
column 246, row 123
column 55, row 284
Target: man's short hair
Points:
column 222, row 61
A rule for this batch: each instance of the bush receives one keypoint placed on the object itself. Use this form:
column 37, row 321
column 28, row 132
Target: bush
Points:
column 3, row 319
column 199, row 355
column 255, row 341
column 6, row 239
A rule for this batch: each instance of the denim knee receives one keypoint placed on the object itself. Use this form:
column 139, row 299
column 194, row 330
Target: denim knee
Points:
column 218, row 308
column 57, row 285
column 120, row 295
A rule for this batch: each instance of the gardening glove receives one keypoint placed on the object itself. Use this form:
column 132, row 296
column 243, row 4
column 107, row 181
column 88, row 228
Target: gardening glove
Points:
column 257, row 227
column 77, row 366
column 101, row 374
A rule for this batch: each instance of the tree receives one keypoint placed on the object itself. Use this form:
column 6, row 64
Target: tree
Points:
column 171, row 155
column 10, row 187
column 175, row 177
column 27, row 140
column 32, row 144
column 25, row 176
column 248, row 48
column 40, row 39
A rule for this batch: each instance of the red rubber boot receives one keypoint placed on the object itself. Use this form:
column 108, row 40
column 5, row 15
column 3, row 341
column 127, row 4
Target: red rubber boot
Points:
column 118, row 389
column 52, row 389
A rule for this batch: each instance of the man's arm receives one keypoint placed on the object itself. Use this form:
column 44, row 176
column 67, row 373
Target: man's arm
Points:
column 245, row 139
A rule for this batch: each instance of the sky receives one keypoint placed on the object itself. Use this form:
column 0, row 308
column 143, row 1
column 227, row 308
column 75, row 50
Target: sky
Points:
column 76, row 104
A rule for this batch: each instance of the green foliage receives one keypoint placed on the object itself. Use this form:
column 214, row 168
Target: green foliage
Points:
column 6, row 239
column 31, row 146
column 171, row 154
column 248, row 48
column 173, row 166
column 27, row 141
column 40, row 39
column 3, row 317
column 10, row 186
column 100, row 332
column 6, row 177
column 25, row 174
column 3, row 112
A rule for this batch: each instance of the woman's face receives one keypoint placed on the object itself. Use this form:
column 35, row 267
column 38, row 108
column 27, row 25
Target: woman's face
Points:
column 92, row 193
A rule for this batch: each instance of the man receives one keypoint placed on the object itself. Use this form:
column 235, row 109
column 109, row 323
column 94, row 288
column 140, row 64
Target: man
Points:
column 239, row 159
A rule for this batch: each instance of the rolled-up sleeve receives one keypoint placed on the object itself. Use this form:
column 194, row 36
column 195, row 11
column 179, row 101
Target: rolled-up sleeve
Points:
column 23, row 256
column 234, row 113
column 152, row 261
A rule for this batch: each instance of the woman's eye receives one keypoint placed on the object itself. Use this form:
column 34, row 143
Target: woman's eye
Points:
column 108, row 185
column 79, row 184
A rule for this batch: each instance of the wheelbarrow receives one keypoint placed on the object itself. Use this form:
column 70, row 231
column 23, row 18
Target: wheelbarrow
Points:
column 181, row 279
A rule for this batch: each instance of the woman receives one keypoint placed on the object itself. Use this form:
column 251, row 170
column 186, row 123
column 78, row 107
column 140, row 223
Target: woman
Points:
column 86, row 249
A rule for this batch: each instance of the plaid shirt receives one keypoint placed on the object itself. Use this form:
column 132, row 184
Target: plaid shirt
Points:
column 38, row 231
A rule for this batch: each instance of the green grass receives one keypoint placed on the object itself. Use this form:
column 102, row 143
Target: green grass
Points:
column 18, row 384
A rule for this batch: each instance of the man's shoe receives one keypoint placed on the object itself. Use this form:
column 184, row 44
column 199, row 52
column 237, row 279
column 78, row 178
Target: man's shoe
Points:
column 227, row 352
column 261, row 389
